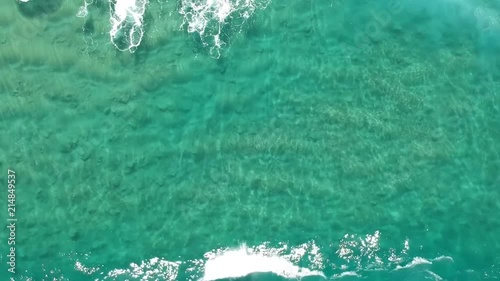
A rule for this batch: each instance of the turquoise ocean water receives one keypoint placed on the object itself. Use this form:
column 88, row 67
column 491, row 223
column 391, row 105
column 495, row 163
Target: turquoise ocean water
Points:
column 251, row 139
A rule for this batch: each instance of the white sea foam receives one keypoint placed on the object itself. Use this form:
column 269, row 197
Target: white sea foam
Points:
column 208, row 17
column 126, row 18
column 241, row 262
column 415, row 262
column 87, row 270
column 443, row 258
column 153, row 269
column 346, row 274
column 83, row 11
column 421, row 267
column 284, row 260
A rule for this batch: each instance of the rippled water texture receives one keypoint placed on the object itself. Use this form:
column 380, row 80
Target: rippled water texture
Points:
column 251, row 139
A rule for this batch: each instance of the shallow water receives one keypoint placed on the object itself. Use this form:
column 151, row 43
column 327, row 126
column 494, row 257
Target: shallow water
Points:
column 260, row 140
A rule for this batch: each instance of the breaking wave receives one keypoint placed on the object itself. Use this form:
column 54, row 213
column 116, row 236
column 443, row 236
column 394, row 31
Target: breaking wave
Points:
column 126, row 18
column 357, row 258
column 208, row 19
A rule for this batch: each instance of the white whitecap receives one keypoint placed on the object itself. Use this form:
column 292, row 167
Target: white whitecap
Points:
column 243, row 262
column 415, row 262
column 444, row 258
column 153, row 269
column 346, row 274
column 126, row 18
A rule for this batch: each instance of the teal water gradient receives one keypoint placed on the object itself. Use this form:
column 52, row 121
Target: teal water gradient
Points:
column 367, row 130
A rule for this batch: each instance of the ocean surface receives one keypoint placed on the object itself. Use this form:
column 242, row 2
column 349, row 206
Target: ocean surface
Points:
column 205, row 140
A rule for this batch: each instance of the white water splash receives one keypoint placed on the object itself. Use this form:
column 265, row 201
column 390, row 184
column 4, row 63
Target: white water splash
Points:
column 284, row 260
column 126, row 18
column 207, row 18
column 153, row 269
column 245, row 261
column 82, row 268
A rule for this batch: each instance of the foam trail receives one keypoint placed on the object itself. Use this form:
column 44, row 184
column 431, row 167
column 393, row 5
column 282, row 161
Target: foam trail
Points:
column 208, row 17
column 83, row 11
column 213, row 20
column 242, row 262
column 126, row 18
